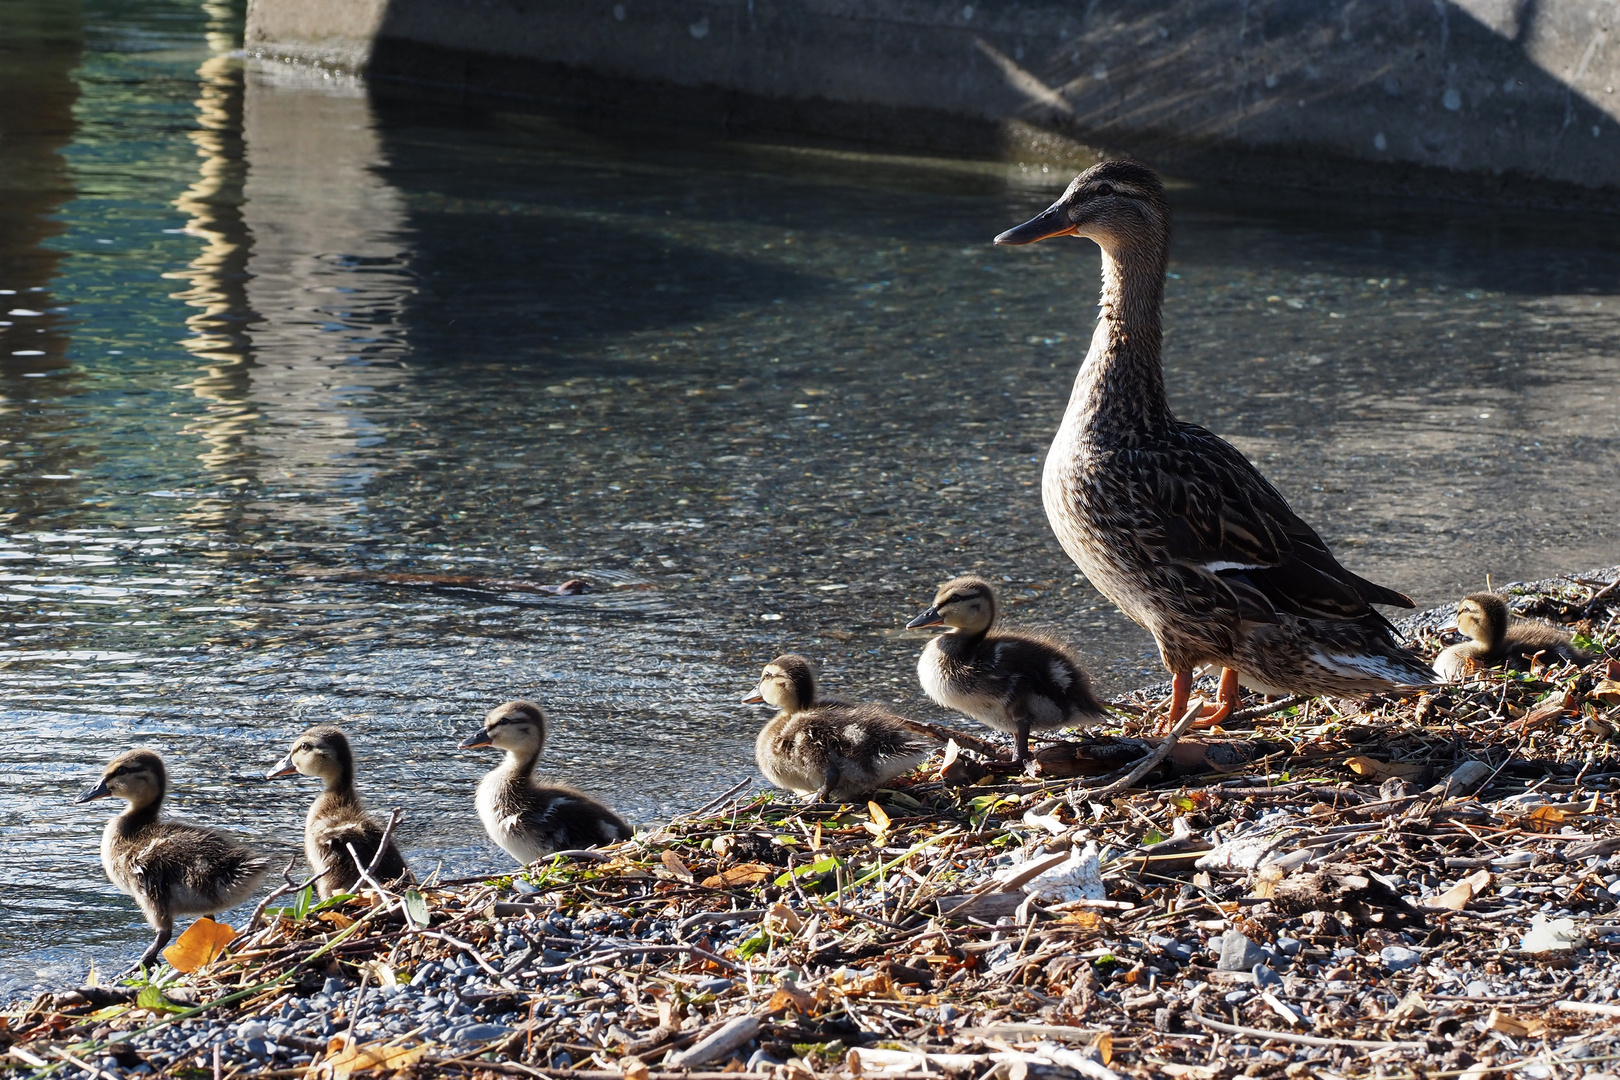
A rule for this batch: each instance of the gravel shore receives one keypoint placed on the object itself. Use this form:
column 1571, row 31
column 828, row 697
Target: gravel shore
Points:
column 1391, row 887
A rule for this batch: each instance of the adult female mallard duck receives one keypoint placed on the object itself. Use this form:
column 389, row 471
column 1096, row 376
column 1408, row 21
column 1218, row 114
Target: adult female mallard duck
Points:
column 1498, row 635
column 1170, row 522
column 168, row 868
column 831, row 749
column 530, row 820
column 1016, row 683
column 336, row 819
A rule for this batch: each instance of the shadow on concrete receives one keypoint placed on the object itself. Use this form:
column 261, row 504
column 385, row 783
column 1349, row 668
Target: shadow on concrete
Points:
column 1457, row 99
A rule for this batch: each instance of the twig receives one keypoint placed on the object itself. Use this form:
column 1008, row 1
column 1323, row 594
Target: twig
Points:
column 1266, row 710
column 282, row 890
column 1149, row 763
column 717, row 800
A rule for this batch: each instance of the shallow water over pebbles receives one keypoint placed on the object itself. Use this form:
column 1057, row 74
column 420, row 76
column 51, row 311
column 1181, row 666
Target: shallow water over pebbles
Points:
column 270, row 339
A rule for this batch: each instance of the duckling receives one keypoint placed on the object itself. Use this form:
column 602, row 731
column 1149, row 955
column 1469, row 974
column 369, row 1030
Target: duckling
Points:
column 1016, row 683
column 1499, row 635
column 336, row 818
column 1171, row 522
column 830, row 749
column 528, row 820
column 170, row 869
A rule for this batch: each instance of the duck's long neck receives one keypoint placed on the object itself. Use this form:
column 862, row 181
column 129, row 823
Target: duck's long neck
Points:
column 1120, row 389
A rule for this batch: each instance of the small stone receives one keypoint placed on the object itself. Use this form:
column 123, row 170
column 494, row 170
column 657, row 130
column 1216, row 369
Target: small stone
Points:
column 1238, row 953
column 1398, row 957
column 1264, row 975
column 480, row 1033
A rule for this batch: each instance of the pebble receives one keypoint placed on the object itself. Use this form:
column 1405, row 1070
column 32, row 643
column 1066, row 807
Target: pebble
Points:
column 1238, row 953
column 1399, row 958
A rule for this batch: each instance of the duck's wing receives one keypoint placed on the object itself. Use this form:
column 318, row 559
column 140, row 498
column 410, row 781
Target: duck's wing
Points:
column 1213, row 514
column 571, row 819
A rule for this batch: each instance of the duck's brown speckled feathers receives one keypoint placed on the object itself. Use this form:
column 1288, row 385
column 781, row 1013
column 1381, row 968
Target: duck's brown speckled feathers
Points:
column 830, row 749
column 169, row 869
column 337, row 818
column 1499, row 636
column 1013, row 682
column 530, row 820
column 1169, row 521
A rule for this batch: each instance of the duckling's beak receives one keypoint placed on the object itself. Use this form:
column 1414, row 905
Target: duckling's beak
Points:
column 99, row 791
column 756, row 698
column 478, row 738
column 931, row 617
column 284, row 767
column 1053, row 221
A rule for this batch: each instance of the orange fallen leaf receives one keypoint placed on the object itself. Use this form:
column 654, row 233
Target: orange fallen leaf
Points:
column 202, row 942
column 791, row 997
column 880, row 821
column 336, row 918
column 1546, row 818
column 1607, row 690
column 742, row 874
column 1104, row 1045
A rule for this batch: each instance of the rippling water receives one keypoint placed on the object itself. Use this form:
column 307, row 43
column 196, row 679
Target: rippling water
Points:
column 270, row 339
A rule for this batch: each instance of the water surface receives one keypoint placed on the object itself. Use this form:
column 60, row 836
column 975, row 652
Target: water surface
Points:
column 270, row 338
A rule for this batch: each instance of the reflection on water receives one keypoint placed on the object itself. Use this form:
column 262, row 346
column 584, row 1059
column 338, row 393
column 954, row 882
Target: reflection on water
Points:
column 764, row 397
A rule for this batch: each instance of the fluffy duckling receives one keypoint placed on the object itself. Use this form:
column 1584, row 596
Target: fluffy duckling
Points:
column 1015, row 683
column 832, row 749
column 1499, row 635
column 336, row 818
column 529, row 820
column 169, row 869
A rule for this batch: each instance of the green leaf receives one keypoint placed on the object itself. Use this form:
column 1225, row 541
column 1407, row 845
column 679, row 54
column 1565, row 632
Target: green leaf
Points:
column 1181, row 802
column 152, row 998
column 1152, row 836
column 824, row 865
column 301, row 905
column 416, row 909
column 756, row 943
column 335, row 900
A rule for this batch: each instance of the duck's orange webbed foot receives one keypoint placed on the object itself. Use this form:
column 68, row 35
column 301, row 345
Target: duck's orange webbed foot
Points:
column 1181, row 692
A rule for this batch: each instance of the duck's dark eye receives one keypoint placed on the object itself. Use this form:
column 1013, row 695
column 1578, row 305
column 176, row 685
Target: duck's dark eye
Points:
column 1105, row 189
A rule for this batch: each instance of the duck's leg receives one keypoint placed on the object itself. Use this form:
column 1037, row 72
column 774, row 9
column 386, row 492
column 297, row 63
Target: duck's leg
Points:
column 1229, row 696
column 165, row 930
column 829, row 780
column 1181, row 692
column 1022, row 756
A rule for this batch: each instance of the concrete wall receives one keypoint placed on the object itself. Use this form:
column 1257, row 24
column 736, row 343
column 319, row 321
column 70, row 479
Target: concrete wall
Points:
column 1485, row 87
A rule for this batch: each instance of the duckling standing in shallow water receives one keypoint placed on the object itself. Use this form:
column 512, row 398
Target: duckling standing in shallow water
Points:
column 529, row 820
column 1015, row 683
column 832, row 749
column 168, row 868
column 336, row 818
column 1499, row 635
